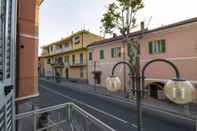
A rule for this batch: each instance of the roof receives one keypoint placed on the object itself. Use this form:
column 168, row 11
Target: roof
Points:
column 69, row 37
column 188, row 21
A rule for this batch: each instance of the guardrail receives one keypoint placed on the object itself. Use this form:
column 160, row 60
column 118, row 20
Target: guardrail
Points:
column 62, row 117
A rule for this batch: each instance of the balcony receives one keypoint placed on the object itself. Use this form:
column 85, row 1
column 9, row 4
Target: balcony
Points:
column 59, row 51
column 77, row 63
column 57, row 64
column 64, row 117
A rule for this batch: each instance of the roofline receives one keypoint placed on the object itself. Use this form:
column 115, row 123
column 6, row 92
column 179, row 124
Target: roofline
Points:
column 65, row 53
column 180, row 23
column 68, row 37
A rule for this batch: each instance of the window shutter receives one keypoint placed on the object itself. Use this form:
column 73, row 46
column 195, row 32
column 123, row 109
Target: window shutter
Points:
column 101, row 54
column 119, row 51
column 150, row 47
column 163, row 43
column 111, row 52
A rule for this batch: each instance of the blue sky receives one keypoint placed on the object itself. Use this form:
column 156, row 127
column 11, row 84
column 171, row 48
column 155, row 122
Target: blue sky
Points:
column 58, row 18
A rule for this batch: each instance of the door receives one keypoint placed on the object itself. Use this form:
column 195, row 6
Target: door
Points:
column 153, row 91
column 67, row 73
column 7, row 62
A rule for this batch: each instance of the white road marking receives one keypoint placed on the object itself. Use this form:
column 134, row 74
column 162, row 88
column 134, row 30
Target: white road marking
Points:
column 89, row 106
column 150, row 107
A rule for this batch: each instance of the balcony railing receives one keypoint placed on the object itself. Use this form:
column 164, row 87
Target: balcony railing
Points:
column 64, row 117
column 77, row 63
column 57, row 63
column 57, row 51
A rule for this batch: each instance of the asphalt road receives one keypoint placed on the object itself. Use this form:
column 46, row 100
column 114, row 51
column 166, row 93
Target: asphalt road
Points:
column 117, row 116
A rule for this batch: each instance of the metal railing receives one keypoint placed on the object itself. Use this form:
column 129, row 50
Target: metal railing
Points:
column 64, row 117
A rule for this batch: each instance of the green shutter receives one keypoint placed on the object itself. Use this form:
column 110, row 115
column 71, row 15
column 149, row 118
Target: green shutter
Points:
column 150, row 47
column 119, row 51
column 101, row 54
column 163, row 45
column 112, row 52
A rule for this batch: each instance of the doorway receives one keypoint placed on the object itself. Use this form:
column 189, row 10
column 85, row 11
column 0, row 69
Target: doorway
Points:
column 156, row 91
column 67, row 73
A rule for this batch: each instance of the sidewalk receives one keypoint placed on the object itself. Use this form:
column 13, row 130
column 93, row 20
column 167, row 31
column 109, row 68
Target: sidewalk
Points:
column 188, row 111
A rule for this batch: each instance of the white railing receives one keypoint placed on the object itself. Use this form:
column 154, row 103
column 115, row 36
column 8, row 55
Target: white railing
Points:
column 62, row 117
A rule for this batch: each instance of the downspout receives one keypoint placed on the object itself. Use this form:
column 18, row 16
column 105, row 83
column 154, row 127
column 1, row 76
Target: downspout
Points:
column 17, row 51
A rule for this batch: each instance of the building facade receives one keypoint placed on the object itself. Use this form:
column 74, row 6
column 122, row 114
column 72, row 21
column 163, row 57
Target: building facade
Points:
column 18, row 56
column 175, row 42
column 67, row 58
column 27, row 49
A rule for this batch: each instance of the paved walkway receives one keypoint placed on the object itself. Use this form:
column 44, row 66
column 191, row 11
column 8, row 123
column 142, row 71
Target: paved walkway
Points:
column 189, row 110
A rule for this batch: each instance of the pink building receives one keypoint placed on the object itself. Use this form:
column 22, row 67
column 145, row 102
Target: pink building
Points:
column 176, row 42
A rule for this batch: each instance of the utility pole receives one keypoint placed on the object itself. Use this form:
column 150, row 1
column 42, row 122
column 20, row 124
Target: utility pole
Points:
column 41, row 1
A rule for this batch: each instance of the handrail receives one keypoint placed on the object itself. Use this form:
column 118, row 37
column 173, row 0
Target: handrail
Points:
column 70, row 106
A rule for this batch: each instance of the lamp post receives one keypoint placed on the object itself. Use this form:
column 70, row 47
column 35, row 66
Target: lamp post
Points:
column 177, row 90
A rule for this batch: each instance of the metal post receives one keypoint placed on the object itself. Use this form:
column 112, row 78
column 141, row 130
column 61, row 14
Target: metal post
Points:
column 95, row 76
column 35, row 120
column 143, row 79
column 186, row 110
column 196, row 123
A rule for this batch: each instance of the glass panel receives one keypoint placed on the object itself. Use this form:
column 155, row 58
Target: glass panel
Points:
column 90, row 56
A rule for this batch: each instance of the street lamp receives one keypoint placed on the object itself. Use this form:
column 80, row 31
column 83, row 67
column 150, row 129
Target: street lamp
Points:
column 177, row 90
column 113, row 83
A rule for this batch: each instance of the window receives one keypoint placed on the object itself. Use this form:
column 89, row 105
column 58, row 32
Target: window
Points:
column 157, row 46
column 60, row 60
column 101, row 54
column 66, row 45
column 81, row 58
column 73, row 59
column 60, row 46
column 66, row 59
column 49, row 61
column 51, row 49
column 76, row 39
column 116, row 52
column 90, row 56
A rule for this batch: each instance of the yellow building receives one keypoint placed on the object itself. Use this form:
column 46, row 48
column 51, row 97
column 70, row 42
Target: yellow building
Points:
column 67, row 58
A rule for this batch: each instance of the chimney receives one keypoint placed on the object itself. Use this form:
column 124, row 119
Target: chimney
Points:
column 142, row 26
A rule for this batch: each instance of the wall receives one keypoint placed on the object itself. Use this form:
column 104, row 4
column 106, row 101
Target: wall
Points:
column 27, row 48
column 106, row 65
column 181, row 49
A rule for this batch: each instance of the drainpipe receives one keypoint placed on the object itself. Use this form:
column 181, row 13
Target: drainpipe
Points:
column 17, row 52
